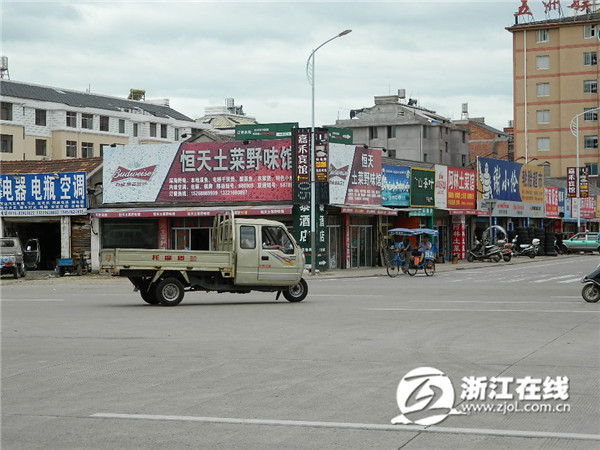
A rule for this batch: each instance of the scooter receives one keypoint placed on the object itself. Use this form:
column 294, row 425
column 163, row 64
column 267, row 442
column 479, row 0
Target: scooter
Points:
column 506, row 250
column 591, row 290
column 525, row 249
column 484, row 250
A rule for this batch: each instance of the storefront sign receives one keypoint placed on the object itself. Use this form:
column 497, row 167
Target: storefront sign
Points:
column 354, row 175
column 395, row 186
column 461, row 188
column 441, row 186
column 551, row 202
column 459, row 245
column 43, row 194
column 205, row 172
column 584, row 184
column 301, row 217
column 422, row 187
column 340, row 135
column 264, row 131
column 321, row 154
column 587, row 208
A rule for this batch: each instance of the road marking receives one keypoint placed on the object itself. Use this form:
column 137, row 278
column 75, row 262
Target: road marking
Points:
column 486, row 302
column 570, row 281
column 553, row 278
column 481, row 310
column 353, row 426
column 32, row 300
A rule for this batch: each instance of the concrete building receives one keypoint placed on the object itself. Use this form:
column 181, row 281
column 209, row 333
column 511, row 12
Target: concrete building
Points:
column 48, row 123
column 223, row 119
column 555, row 77
column 407, row 131
column 487, row 141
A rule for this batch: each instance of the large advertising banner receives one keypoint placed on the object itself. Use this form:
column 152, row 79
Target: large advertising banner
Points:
column 204, row 172
column 354, row 175
column 518, row 188
column 43, row 194
column 395, row 186
column 551, row 202
column 461, row 188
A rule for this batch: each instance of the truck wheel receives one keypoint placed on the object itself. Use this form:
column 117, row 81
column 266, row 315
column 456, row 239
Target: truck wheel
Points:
column 148, row 293
column 23, row 271
column 169, row 292
column 296, row 293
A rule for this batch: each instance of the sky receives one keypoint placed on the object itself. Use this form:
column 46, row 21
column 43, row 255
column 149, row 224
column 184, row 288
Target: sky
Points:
column 198, row 53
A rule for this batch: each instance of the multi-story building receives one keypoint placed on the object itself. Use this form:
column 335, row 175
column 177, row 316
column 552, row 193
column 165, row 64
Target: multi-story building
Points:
column 487, row 141
column 555, row 78
column 42, row 122
column 407, row 131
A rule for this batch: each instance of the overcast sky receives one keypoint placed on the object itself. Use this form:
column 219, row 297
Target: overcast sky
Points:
column 198, row 53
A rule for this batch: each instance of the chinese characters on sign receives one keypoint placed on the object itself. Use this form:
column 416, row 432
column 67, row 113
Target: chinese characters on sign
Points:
column 461, row 188
column 422, row 185
column 573, row 180
column 43, row 194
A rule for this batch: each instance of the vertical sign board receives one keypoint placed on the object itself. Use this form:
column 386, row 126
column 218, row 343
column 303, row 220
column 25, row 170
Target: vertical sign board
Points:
column 584, row 184
column 321, row 154
column 301, row 197
column 571, row 182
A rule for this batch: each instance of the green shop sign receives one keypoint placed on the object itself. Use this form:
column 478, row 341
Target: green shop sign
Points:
column 340, row 136
column 264, row 131
column 422, row 187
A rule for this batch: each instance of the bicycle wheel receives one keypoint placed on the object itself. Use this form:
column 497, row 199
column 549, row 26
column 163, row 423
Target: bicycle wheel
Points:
column 412, row 270
column 393, row 269
column 429, row 268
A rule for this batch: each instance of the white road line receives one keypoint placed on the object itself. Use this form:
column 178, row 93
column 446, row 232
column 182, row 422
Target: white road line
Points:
column 487, row 302
column 570, row 281
column 32, row 300
column 553, row 278
column 481, row 310
column 353, row 426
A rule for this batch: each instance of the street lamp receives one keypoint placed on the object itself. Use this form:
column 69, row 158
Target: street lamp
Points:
column 575, row 132
column 310, row 74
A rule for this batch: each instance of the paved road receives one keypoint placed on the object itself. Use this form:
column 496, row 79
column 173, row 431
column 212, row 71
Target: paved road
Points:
column 87, row 364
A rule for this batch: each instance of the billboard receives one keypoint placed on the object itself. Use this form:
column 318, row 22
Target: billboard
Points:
column 43, row 194
column 422, row 187
column 395, row 186
column 354, row 175
column 206, row 172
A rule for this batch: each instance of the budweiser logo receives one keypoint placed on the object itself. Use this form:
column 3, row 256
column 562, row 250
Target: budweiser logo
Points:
column 342, row 172
column 144, row 173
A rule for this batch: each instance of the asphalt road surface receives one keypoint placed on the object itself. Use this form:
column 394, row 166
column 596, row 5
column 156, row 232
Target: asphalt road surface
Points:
column 86, row 364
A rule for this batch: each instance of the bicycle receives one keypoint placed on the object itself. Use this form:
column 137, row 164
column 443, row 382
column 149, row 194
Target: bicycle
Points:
column 394, row 263
column 426, row 263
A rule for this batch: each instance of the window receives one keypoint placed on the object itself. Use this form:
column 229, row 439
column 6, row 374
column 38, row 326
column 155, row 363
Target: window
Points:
column 590, row 142
column 6, row 113
column 464, row 137
column 71, row 119
column 372, row 132
column 424, row 132
column 87, row 121
column 592, row 169
column 163, row 131
column 446, row 145
column 135, row 130
column 590, row 87
column 176, row 134
column 541, row 35
column 104, row 123
column 589, row 31
column 590, row 116
column 543, row 144
column 152, row 130
column 247, row 237
column 589, row 59
column 463, row 160
column 6, row 143
column 542, row 62
column 543, row 116
column 121, row 126
column 391, row 132
column 40, row 117
column 87, row 149
column 40, row 147
column 542, row 89
column 71, row 149
column 102, row 147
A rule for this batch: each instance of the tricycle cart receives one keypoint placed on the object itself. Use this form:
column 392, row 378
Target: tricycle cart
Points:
column 78, row 264
column 394, row 262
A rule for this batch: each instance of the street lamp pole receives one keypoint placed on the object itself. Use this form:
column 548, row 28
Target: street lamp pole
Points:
column 310, row 73
column 575, row 132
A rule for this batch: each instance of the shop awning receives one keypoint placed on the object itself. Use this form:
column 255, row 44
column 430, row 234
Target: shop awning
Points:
column 368, row 210
column 466, row 212
column 191, row 211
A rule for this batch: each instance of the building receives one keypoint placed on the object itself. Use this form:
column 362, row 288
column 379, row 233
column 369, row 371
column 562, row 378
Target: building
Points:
column 224, row 119
column 407, row 131
column 486, row 141
column 42, row 122
column 555, row 77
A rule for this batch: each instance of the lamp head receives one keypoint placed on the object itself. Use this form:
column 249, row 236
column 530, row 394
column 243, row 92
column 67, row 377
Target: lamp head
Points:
column 344, row 33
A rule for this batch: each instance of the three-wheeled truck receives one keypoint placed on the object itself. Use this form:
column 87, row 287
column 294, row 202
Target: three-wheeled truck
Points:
column 246, row 255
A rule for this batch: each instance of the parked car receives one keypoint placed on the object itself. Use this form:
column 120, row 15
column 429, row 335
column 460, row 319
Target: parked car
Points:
column 11, row 257
column 583, row 242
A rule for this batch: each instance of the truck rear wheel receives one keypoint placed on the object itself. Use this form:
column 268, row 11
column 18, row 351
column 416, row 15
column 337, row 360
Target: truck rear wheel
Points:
column 296, row 293
column 169, row 292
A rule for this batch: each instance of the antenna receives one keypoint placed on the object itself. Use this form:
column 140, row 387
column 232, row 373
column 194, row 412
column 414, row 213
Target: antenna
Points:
column 4, row 68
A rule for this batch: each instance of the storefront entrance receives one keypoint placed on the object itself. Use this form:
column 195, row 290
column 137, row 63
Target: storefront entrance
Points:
column 361, row 245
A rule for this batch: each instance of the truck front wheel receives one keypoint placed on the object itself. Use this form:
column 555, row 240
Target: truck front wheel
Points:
column 296, row 293
column 169, row 292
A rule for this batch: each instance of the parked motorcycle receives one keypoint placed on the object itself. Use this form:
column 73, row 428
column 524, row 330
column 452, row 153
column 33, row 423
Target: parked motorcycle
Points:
column 483, row 250
column 506, row 250
column 525, row 249
column 591, row 290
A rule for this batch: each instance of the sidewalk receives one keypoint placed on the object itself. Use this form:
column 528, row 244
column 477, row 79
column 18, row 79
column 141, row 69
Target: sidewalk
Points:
column 445, row 267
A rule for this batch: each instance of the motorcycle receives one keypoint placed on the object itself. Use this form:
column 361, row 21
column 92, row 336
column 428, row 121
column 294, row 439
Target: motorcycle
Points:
column 525, row 249
column 591, row 290
column 484, row 250
column 506, row 250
